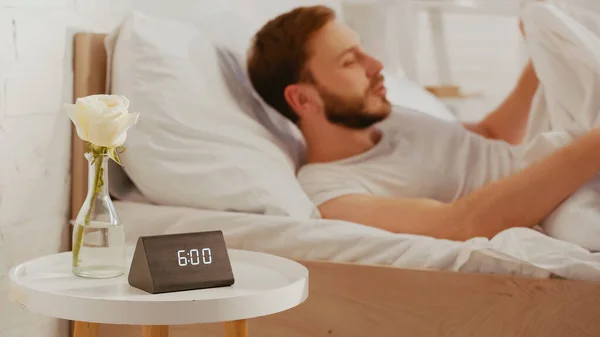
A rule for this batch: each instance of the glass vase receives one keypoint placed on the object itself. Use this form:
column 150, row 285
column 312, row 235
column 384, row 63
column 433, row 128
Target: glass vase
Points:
column 98, row 236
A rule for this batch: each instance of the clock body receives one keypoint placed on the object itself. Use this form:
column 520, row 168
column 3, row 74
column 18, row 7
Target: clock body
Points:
column 178, row 262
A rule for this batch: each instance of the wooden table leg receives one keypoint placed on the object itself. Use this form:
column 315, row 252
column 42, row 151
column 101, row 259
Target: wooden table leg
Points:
column 85, row 329
column 155, row 331
column 236, row 328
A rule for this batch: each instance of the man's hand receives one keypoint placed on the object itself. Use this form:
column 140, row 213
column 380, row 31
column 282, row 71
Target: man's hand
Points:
column 481, row 129
column 521, row 200
column 509, row 121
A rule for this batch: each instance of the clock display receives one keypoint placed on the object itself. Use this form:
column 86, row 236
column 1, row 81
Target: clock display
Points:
column 192, row 257
column 183, row 261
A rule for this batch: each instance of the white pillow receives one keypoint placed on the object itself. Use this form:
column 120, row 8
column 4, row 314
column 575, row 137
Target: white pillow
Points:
column 232, row 34
column 194, row 145
column 566, row 56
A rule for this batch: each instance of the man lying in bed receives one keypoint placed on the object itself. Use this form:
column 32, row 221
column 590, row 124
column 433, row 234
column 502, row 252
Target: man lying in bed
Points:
column 411, row 173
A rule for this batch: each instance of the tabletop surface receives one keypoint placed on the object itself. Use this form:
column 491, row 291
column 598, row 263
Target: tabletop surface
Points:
column 264, row 284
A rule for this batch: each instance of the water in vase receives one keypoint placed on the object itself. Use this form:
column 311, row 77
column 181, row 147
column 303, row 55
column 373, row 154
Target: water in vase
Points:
column 102, row 253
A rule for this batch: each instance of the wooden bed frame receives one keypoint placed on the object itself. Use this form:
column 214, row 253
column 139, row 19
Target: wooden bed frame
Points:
column 360, row 300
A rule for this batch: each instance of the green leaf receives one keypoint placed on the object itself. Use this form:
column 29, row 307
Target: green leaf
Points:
column 114, row 155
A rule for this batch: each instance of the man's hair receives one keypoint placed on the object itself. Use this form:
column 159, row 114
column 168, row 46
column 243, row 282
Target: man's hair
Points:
column 279, row 54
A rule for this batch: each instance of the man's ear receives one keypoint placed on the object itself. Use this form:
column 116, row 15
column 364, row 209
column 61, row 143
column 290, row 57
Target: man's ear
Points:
column 299, row 99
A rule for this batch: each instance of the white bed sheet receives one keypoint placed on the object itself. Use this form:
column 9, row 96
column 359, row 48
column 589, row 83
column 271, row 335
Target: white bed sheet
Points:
column 517, row 251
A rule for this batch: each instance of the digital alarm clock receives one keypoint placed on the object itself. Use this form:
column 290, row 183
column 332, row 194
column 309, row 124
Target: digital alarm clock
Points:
column 178, row 262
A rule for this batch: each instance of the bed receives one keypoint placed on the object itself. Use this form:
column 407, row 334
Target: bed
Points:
column 349, row 297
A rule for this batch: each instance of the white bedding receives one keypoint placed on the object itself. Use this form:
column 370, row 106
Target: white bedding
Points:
column 516, row 251
column 566, row 57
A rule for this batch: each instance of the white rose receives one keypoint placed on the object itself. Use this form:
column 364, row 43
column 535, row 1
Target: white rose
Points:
column 102, row 120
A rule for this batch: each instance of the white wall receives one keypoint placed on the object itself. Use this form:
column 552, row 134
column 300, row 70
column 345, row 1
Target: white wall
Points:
column 485, row 53
column 35, row 79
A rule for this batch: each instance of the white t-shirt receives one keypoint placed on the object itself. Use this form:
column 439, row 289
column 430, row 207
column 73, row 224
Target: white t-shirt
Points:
column 418, row 156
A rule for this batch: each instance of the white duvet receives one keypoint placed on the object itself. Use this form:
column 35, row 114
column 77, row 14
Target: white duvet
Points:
column 565, row 49
column 516, row 251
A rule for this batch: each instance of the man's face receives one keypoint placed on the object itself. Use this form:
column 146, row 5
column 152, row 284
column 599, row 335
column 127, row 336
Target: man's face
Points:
column 349, row 81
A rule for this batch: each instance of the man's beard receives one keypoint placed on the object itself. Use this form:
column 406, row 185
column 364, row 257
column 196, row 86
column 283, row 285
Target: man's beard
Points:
column 351, row 112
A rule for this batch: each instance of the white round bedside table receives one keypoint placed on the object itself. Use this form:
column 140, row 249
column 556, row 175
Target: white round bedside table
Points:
column 264, row 285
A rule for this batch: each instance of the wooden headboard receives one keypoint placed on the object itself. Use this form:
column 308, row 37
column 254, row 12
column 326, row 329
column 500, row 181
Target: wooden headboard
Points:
column 89, row 71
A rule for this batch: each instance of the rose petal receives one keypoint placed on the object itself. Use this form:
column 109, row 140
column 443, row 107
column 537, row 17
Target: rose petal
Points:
column 115, row 106
column 91, row 103
column 102, row 132
column 125, row 123
column 112, row 133
column 81, row 131
column 112, row 114
column 120, row 139
column 113, row 101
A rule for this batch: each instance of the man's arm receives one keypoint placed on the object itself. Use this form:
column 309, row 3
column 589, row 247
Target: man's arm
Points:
column 509, row 120
column 521, row 200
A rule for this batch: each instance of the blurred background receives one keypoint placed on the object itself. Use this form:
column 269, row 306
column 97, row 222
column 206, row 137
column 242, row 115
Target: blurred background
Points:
column 471, row 46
